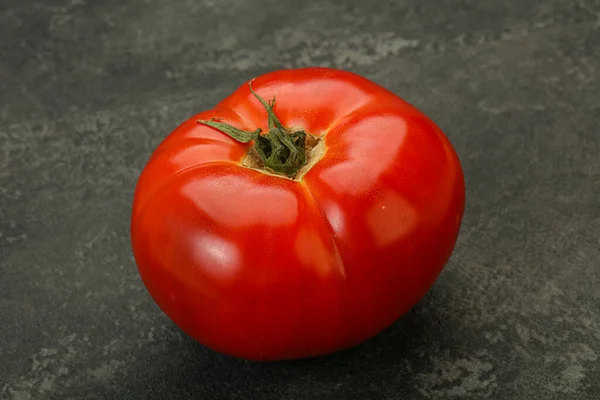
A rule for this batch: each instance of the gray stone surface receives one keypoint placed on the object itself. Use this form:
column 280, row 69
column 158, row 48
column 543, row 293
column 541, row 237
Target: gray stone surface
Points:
column 87, row 89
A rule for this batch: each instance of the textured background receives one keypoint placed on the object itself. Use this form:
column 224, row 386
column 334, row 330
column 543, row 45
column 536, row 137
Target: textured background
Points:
column 88, row 88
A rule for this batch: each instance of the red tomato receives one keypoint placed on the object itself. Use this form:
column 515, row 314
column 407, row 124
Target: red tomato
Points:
column 280, row 263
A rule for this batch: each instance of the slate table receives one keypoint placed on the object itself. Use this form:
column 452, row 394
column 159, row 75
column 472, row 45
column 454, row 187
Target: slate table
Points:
column 87, row 89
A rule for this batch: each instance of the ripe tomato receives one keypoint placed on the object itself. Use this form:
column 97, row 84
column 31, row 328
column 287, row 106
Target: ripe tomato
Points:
column 295, row 228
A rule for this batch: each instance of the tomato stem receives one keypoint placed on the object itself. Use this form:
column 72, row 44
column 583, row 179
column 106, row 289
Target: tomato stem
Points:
column 235, row 133
column 280, row 150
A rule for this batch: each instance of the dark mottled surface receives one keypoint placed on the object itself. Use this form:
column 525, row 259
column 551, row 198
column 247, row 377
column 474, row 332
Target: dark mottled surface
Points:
column 88, row 88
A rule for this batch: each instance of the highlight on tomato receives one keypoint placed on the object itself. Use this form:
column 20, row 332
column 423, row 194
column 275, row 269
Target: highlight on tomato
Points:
column 302, row 215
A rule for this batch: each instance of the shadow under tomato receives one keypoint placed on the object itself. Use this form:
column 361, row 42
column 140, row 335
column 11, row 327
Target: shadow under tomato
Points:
column 385, row 365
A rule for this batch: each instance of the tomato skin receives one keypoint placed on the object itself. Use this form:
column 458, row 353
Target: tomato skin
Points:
column 268, row 268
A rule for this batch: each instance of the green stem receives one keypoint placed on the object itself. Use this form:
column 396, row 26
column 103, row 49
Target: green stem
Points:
column 235, row 133
column 280, row 150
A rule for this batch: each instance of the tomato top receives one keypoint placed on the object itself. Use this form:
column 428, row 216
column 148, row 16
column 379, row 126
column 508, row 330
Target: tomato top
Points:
column 301, row 226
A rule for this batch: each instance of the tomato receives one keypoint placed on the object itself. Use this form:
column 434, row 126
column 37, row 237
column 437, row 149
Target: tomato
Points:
column 304, row 214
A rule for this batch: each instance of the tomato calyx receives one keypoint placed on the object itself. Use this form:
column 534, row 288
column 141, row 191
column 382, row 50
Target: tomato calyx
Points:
column 281, row 150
